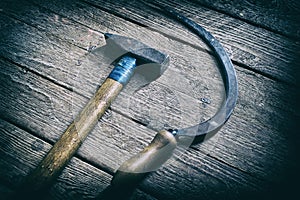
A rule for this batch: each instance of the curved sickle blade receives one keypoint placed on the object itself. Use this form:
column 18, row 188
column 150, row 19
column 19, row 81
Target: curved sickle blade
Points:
column 210, row 127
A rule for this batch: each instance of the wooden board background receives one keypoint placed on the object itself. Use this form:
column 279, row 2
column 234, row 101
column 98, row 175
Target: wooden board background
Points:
column 47, row 76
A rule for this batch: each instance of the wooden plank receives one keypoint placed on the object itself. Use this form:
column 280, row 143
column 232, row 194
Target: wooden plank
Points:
column 267, row 122
column 17, row 45
column 54, row 24
column 72, row 77
column 199, row 176
column 50, row 104
column 129, row 27
column 277, row 58
column 20, row 153
column 81, row 8
column 63, row 71
column 279, row 16
column 263, row 51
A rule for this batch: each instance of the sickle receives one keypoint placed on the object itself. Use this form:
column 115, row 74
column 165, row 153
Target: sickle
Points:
column 132, row 171
column 212, row 125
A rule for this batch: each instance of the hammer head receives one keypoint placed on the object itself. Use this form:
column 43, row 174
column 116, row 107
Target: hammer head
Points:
column 151, row 63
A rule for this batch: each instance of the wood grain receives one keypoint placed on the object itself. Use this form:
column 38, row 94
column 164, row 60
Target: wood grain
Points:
column 71, row 76
column 22, row 151
column 248, row 45
column 122, row 144
column 78, row 181
column 279, row 16
column 63, row 150
column 276, row 58
column 253, row 153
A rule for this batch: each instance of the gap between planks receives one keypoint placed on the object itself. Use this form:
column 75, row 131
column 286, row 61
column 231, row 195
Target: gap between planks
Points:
column 286, row 13
column 260, row 65
column 78, row 99
column 78, row 179
column 240, row 63
column 233, row 60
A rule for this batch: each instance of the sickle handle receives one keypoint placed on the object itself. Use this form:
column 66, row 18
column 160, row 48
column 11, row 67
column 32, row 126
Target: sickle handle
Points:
column 134, row 170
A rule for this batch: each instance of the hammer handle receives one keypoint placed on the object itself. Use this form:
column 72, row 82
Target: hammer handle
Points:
column 71, row 139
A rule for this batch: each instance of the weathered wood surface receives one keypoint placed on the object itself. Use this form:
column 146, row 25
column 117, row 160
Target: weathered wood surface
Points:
column 73, row 78
column 275, row 58
column 281, row 17
column 248, row 45
column 40, row 60
column 98, row 148
column 78, row 180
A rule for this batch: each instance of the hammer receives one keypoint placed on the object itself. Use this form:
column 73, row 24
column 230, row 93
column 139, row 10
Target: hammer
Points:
column 133, row 54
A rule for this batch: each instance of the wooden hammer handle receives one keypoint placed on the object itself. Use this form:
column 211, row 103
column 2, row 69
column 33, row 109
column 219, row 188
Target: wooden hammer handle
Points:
column 71, row 139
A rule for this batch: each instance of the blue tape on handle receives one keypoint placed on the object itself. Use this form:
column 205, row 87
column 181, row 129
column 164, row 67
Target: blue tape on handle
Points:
column 123, row 70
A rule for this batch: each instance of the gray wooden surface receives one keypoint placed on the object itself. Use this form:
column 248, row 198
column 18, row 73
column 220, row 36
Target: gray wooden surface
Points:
column 47, row 76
